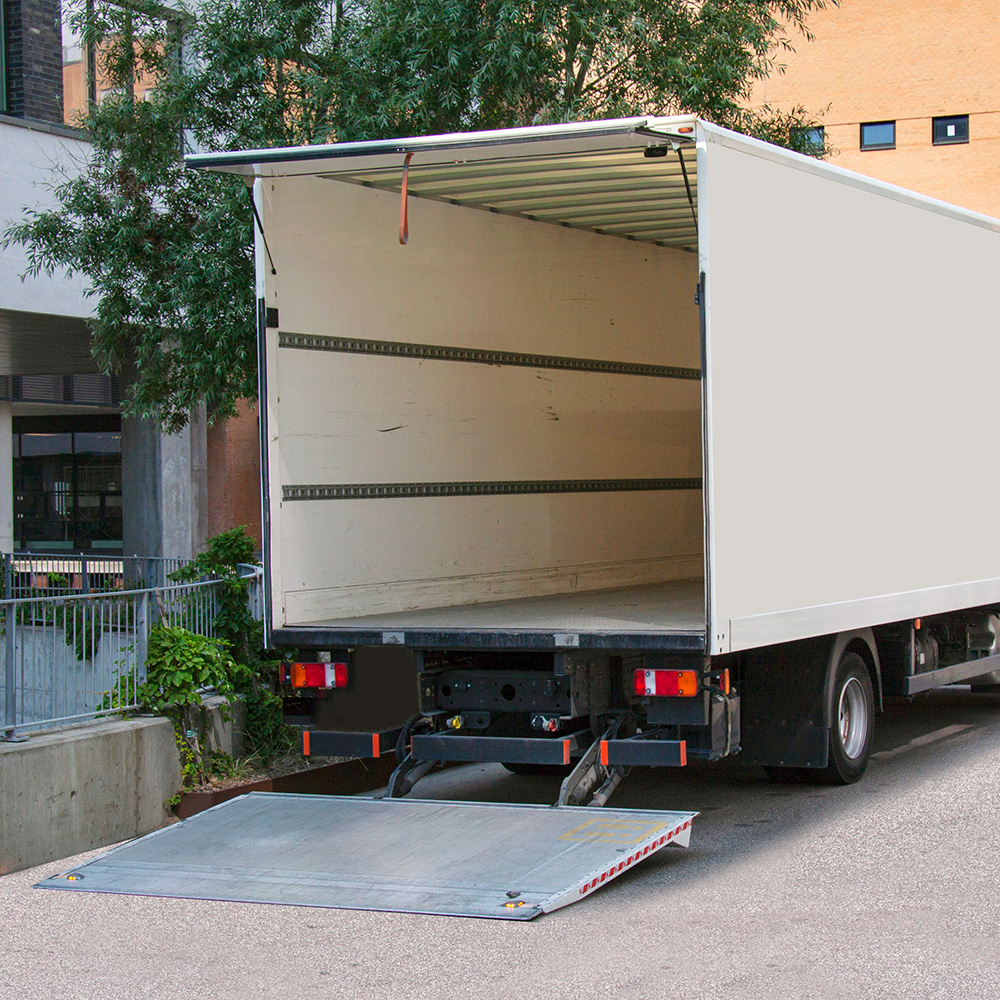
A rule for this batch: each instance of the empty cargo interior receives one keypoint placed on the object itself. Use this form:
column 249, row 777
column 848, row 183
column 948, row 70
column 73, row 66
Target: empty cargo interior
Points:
column 497, row 424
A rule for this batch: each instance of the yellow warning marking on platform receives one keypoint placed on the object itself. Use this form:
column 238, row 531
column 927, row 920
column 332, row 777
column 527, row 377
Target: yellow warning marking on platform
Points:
column 615, row 831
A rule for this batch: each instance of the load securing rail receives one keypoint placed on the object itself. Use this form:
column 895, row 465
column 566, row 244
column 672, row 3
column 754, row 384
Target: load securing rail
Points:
column 509, row 862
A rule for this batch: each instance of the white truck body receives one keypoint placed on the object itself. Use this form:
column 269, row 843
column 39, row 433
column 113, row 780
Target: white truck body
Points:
column 840, row 426
column 647, row 397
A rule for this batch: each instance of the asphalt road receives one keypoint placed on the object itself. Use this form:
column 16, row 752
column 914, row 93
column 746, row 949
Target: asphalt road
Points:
column 885, row 889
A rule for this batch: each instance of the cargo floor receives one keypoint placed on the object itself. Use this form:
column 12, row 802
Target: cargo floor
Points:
column 674, row 607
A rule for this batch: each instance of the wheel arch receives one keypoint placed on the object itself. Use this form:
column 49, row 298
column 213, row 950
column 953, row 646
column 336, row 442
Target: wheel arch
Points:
column 862, row 642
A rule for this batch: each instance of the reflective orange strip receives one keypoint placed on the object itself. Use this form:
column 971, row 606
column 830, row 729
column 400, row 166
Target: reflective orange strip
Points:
column 684, row 753
column 305, row 742
column 604, row 752
column 565, row 751
column 375, row 746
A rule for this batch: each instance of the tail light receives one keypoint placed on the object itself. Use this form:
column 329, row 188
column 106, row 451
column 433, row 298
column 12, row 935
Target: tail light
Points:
column 666, row 683
column 319, row 675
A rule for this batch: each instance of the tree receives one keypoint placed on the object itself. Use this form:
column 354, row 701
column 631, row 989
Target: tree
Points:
column 412, row 67
column 167, row 251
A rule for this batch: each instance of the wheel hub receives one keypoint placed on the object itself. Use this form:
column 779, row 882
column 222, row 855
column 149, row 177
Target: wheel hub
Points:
column 853, row 718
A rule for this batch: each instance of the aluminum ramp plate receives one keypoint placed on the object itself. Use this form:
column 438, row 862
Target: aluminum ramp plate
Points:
column 404, row 855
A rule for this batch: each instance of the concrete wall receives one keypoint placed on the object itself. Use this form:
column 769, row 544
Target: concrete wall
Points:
column 68, row 792
column 164, row 488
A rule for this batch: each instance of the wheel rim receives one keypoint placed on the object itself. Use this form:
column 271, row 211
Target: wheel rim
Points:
column 853, row 718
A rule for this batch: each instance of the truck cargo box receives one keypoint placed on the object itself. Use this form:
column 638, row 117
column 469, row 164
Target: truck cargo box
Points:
column 634, row 384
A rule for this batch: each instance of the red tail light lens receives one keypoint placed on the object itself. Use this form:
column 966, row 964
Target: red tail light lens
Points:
column 319, row 675
column 666, row 683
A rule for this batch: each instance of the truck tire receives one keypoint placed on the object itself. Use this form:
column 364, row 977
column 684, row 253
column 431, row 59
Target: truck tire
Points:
column 852, row 715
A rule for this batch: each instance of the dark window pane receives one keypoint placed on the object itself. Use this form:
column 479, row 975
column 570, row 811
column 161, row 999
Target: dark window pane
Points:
column 46, row 444
column 878, row 135
column 98, row 443
column 945, row 131
column 67, row 492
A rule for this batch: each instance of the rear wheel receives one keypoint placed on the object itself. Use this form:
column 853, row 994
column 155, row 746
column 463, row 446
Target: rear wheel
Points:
column 852, row 716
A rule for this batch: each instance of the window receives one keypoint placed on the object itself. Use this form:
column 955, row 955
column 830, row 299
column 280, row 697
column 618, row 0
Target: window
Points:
column 67, row 489
column 878, row 135
column 949, row 130
column 809, row 140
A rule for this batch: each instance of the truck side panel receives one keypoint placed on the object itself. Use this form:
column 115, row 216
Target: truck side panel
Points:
column 853, row 352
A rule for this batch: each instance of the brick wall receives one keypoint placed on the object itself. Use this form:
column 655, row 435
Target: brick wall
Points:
column 234, row 474
column 34, row 59
column 906, row 61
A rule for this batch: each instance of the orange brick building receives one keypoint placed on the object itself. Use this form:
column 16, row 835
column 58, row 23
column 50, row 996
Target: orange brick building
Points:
column 909, row 92
column 233, row 460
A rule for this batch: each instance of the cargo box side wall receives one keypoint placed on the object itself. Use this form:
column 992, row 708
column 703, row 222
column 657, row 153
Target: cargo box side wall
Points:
column 347, row 417
column 853, row 353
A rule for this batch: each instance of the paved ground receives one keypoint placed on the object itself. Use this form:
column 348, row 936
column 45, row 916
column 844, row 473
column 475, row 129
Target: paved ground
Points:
column 886, row 889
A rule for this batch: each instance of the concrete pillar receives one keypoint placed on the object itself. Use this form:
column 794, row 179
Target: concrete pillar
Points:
column 164, row 488
column 6, row 480
column 142, row 516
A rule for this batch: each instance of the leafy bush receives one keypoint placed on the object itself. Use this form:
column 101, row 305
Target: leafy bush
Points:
column 179, row 664
column 265, row 733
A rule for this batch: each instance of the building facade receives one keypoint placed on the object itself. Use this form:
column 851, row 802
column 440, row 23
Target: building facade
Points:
column 74, row 476
column 908, row 90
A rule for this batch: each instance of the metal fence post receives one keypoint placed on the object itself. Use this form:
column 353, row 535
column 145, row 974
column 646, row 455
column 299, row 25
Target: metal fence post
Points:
column 141, row 635
column 10, row 689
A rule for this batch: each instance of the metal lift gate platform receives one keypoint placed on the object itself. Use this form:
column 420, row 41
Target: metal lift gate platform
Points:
column 406, row 855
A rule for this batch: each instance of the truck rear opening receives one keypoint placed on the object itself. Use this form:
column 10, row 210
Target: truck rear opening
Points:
column 476, row 431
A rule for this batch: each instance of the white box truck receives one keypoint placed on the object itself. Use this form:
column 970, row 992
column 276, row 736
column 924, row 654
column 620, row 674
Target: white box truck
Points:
column 651, row 442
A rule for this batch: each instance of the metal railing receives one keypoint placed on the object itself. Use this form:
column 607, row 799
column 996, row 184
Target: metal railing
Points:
column 62, row 652
column 36, row 574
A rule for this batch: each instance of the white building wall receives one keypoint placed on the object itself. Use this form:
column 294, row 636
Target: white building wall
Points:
column 32, row 158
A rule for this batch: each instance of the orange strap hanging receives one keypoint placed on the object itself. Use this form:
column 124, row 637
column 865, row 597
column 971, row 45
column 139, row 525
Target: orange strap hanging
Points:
column 404, row 225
